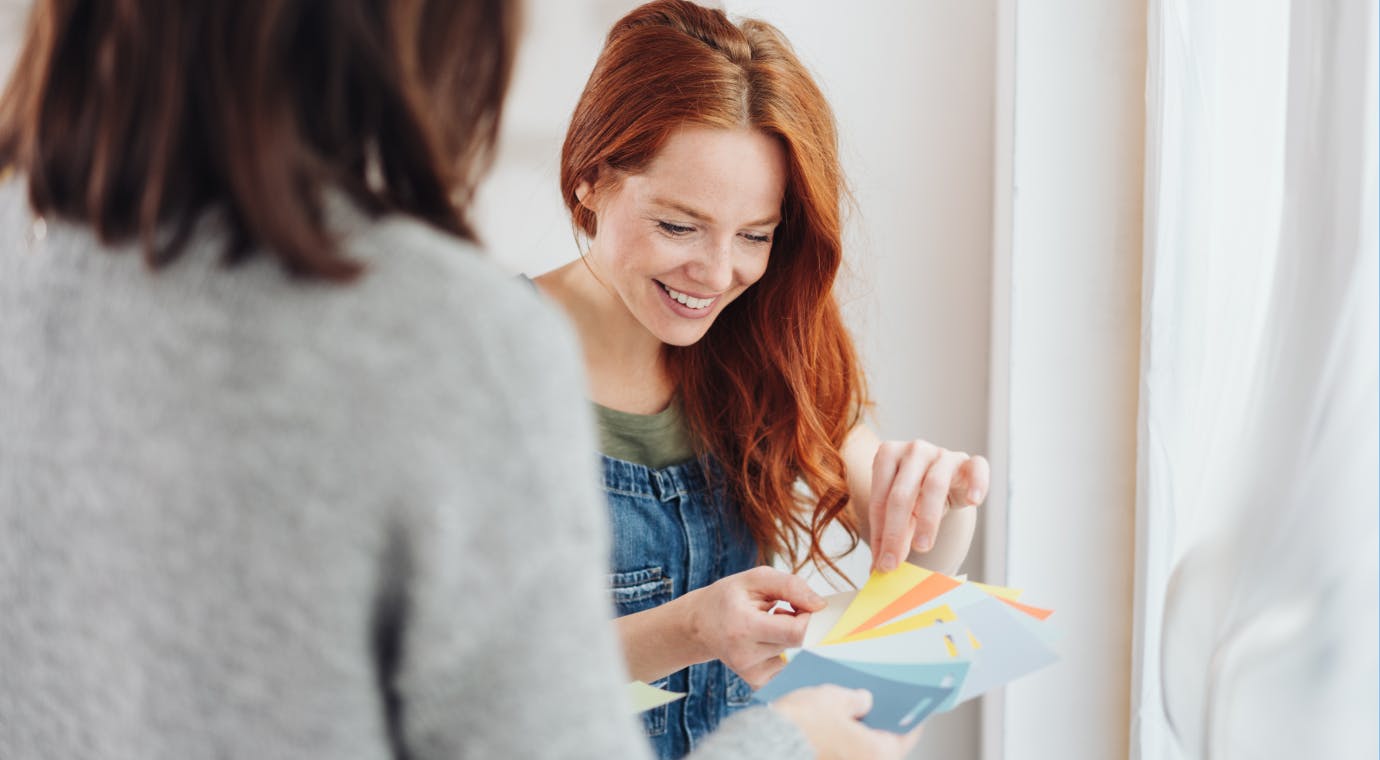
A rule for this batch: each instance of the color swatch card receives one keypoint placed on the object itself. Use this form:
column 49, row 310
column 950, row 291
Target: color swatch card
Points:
column 921, row 642
column 645, row 696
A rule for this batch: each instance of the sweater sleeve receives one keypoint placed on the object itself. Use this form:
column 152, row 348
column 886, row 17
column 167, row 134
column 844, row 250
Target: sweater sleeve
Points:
column 758, row 732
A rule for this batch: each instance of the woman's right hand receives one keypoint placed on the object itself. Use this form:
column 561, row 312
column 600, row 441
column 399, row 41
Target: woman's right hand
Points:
column 828, row 716
column 731, row 620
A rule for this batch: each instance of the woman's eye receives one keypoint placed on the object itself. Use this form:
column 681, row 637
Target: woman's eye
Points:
column 757, row 238
column 671, row 228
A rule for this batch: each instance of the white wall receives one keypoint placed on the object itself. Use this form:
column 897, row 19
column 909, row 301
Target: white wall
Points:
column 1070, row 135
column 13, row 14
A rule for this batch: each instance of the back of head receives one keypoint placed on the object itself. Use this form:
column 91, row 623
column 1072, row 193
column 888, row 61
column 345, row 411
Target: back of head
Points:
column 774, row 386
column 133, row 117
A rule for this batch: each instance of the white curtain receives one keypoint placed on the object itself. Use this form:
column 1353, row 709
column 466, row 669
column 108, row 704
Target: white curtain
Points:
column 1256, row 585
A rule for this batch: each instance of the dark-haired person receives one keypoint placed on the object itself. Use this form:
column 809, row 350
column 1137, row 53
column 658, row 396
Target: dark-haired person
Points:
column 275, row 442
column 701, row 164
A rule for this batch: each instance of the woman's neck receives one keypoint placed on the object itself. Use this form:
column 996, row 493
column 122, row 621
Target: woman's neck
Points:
column 623, row 361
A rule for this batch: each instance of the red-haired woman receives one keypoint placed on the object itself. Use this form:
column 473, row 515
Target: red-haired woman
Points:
column 701, row 164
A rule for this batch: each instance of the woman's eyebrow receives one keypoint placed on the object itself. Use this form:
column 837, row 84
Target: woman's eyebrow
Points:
column 682, row 208
column 698, row 215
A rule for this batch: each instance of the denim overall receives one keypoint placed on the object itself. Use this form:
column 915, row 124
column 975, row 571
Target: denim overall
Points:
column 673, row 534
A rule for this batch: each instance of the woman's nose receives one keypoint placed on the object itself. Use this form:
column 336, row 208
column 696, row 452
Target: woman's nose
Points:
column 713, row 267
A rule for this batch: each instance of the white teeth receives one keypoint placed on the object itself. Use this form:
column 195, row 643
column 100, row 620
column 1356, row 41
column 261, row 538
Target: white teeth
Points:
column 694, row 303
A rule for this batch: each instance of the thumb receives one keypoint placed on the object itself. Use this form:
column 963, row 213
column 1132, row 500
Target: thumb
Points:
column 859, row 702
column 773, row 584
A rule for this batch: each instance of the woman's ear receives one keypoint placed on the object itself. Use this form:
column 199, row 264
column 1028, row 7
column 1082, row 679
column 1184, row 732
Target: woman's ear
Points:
column 584, row 191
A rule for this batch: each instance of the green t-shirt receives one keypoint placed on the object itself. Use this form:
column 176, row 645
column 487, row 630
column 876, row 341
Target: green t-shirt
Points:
column 655, row 440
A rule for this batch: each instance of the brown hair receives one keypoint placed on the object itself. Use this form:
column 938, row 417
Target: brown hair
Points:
column 774, row 387
column 134, row 114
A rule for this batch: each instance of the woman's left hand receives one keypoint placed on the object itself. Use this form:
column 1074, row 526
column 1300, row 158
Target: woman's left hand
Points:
column 913, row 484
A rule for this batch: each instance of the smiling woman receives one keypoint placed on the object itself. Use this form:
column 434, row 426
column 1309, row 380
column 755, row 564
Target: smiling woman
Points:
column 681, row 240
column 701, row 165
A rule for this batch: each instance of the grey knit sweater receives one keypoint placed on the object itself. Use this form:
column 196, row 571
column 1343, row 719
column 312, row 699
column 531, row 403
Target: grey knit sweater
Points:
column 247, row 517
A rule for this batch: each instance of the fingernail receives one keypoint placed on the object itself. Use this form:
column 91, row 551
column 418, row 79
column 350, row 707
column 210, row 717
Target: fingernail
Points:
column 974, row 495
column 888, row 562
column 923, row 544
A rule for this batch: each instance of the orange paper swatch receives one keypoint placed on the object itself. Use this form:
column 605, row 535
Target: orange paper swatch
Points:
column 930, row 588
column 1035, row 612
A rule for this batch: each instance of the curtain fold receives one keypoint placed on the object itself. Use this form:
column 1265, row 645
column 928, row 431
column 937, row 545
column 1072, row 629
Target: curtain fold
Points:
column 1257, row 502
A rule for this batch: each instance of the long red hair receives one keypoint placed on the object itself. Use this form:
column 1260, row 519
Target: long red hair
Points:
column 773, row 388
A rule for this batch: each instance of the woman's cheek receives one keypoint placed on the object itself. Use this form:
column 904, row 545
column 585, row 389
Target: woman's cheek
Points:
column 756, row 270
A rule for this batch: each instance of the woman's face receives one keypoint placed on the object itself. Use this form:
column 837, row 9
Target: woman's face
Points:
column 682, row 239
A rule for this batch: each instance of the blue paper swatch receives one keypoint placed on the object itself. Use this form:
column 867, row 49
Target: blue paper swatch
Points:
column 896, row 706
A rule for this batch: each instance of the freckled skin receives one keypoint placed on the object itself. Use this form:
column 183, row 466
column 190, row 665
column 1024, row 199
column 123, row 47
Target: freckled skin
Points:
column 699, row 220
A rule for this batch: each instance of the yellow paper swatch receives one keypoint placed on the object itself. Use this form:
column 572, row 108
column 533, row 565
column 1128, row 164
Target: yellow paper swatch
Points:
column 644, row 696
column 1000, row 592
column 921, row 620
column 880, row 590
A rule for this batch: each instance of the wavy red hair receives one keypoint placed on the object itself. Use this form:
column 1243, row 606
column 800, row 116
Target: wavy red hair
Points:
column 774, row 387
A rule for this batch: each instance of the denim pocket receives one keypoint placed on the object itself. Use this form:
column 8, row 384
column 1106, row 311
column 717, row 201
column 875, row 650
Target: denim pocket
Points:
column 737, row 692
column 638, row 590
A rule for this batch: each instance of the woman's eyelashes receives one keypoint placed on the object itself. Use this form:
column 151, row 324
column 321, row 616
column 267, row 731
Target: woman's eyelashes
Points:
column 682, row 230
column 673, row 229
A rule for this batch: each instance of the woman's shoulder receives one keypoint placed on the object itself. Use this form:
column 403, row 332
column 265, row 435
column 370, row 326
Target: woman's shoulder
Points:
column 406, row 252
column 448, row 285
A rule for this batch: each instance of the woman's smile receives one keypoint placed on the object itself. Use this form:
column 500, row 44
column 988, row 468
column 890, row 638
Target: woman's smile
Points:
column 685, row 304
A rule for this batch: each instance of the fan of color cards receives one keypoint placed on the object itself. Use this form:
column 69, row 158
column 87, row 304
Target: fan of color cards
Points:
column 920, row 641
